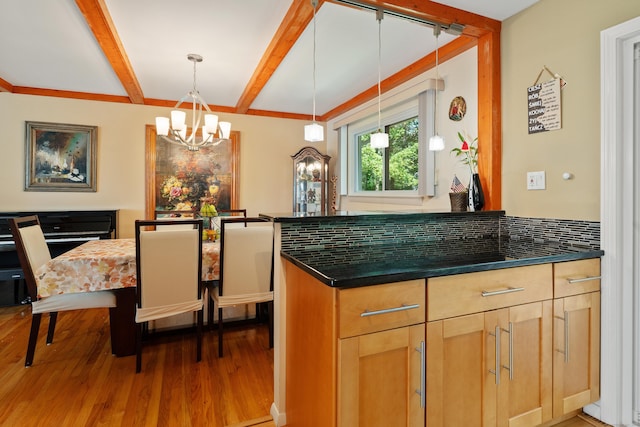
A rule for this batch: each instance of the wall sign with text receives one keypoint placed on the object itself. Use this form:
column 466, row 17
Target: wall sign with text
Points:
column 544, row 107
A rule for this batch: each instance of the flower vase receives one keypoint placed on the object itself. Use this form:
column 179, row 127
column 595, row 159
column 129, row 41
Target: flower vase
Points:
column 476, row 195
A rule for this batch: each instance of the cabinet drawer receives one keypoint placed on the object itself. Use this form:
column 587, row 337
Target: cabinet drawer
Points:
column 576, row 277
column 376, row 308
column 457, row 295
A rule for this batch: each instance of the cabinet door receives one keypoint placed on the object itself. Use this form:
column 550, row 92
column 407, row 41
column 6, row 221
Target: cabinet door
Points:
column 457, row 372
column 524, row 393
column 576, row 359
column 380, row 378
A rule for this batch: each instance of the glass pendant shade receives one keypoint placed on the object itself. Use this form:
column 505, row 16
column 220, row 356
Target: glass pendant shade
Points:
column 436, row 143
column 313, row 132
column 379, row 140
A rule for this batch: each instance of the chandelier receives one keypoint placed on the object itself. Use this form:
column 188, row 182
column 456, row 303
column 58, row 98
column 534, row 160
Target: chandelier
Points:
column 174, row 130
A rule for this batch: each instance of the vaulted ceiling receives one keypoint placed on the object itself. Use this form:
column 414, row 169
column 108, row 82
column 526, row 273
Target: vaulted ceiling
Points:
column 258, row 54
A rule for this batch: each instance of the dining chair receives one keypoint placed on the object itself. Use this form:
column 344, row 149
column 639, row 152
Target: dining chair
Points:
column 179, row 216
column 33, row 252
column 168, row 272
column 246, row 269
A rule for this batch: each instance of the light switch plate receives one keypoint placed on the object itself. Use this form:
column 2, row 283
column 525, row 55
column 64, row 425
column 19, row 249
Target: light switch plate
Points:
column 536, row 180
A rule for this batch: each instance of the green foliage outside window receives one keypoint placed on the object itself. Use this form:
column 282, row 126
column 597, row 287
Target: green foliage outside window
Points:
column 400, row 159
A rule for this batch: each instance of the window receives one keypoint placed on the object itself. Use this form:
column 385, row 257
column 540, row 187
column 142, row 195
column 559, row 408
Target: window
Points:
column 394, row 168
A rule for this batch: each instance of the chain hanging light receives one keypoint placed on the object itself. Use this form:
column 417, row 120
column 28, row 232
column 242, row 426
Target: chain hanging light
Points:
column 379, row 139
column 175, row 130
column 436, row 142
column 314, row 132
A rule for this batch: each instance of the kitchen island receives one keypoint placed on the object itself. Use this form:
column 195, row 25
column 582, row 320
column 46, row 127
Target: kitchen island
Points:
column 388, row 314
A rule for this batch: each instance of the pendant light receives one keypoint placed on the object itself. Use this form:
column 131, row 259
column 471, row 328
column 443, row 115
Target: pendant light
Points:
column 314, row 132
column 436, row 142
column 379, row 139
column 174, row 130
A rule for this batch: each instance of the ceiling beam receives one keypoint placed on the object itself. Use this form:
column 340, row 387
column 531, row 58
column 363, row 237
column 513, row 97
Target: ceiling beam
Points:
column 5, row 86
column 294, row 23
column 97, row 16
column 446, row 52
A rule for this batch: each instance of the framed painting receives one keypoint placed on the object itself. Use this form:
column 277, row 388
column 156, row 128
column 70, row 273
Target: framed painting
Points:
column 179, row 179
column 60, row 157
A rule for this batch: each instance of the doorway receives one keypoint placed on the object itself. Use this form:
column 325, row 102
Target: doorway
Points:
column 620, row 213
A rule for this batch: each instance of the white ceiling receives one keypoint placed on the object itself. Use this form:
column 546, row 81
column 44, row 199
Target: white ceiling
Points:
column 48, row 44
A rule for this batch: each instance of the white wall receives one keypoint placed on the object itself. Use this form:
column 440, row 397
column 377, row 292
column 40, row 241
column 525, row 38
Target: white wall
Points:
column 266, row 144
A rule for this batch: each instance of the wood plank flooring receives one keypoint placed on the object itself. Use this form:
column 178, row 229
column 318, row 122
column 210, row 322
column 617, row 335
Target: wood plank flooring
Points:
column 77, row 382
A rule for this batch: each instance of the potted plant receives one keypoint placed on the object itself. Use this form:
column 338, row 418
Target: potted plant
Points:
column 468, row 154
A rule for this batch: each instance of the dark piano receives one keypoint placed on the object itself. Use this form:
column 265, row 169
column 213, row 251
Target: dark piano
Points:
column 63, row 230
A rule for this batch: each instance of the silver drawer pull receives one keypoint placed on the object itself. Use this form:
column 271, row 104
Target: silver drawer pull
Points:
column 404, row 307
column 501, row 291
column 584, row 279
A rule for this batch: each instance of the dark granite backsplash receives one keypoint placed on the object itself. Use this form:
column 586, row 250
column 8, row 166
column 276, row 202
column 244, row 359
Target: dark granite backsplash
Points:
column 542, row 230
column 311, row 235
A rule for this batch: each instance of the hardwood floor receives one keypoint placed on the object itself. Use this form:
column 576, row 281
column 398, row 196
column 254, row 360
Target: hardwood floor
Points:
column 77, row 382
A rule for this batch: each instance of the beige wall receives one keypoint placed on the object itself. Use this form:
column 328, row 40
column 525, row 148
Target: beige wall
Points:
column 564, row 35
column 266, row 145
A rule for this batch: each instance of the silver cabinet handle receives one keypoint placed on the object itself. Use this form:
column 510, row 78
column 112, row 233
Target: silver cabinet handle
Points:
column 403, row 307
column 496, row 372
column 566, row 336
column 423, row 380
column 501, row 291
column 510, row 367
column 583, row 279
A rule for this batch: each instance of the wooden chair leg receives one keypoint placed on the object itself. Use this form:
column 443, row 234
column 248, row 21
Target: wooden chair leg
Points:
column 53, row 317
column 139, row 347
column 199, row 332
column 219, row 332
column 33, row 338
column 210, row 313
column 270, row 320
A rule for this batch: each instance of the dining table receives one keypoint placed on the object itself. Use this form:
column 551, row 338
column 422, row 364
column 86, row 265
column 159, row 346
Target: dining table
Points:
column 110, row 264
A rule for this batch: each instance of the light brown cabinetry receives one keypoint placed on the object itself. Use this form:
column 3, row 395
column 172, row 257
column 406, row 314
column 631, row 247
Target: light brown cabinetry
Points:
column 515, row 347
column 576, row 359
column 490, row 364
column 355, row 357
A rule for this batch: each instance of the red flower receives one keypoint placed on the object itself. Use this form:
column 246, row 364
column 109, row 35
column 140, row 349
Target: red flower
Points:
column 465, row 146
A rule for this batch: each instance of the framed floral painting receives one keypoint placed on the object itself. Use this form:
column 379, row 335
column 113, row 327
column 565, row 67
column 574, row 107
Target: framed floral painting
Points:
column 178, row 179
column 60, row 157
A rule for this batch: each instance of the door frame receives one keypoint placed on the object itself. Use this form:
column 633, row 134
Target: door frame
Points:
column 617, row 213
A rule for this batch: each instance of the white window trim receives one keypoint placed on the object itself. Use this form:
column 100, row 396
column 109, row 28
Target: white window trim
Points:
column 420, row 106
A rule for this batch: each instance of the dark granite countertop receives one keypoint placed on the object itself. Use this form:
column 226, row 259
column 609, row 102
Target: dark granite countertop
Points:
column 376, row 264
column 301, row 217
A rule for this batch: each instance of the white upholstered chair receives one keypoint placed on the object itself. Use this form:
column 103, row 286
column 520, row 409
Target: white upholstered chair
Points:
column 246, row 269
column 33, row 252
column 168, row 272
column 177, row 217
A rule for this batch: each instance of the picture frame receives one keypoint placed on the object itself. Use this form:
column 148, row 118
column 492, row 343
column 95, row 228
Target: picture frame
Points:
column 60, row 157
column 214, row 168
